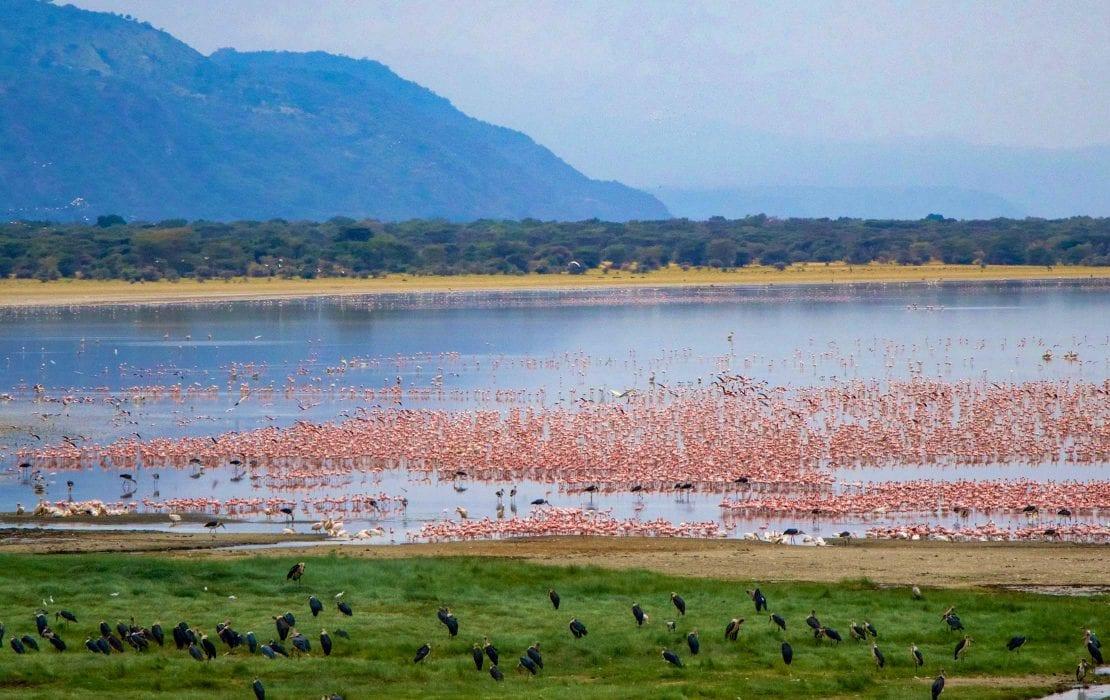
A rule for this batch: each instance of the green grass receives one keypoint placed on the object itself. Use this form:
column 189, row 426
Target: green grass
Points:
column 395, row 603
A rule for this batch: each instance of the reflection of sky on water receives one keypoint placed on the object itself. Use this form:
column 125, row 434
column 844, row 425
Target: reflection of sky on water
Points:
column 567, row 345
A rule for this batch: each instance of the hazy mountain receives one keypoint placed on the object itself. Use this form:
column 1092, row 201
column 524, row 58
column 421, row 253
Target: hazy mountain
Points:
column 833, row 202
column 99, row 114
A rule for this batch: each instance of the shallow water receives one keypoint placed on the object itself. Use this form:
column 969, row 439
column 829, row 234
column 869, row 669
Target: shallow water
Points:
column 539, row 348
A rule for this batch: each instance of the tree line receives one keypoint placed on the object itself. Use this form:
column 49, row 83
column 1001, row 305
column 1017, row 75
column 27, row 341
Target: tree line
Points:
column 115, row 249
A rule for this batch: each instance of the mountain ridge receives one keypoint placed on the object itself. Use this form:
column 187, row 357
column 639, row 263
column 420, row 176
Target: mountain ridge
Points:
column 100, row 113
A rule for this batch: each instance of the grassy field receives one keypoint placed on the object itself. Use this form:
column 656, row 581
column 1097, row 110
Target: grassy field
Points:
column 394, row 604
column 67, row 292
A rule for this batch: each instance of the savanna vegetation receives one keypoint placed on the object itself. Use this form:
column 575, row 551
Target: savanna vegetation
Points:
column 341, row 247
column 394, row 605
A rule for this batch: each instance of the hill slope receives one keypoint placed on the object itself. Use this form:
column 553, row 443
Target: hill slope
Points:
column 103, row 114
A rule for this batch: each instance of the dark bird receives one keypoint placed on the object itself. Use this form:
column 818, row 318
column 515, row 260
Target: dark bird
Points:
column 295, row 572
column 56, row 642
column 344, row 608
column 325, row 642
column 759, row 599
column 301, row 643
column 732, row 630
column 554, row 597
column 1089, row 636
column 918, row 659
column 208, row 646
column 540, row 502
column 478, row 656
column 158, row 635
column 65, row 615
column 1015, row 643
column 787, row 653
column 91, row 646
column 693, row 643
column 29, row 642
column 105, row 630
column 954, row 622
column 113, row 642
column 196, row 653
column 533, row 653
column 679, row 603
column 282, row 626
column 812, row 621
column 278, row 648
column 491, row 651
column 831, row 634
column 290, row 619
column 315, row 605
column 495, row 673
column 938, row 686
column 1095, row 651
column 342, row 633
column 17, row 645
column 252, row 642
column 422, row 653
column 287, row 511
column 870, row 628
column 40, row 625
column 259, row 691
column 639, row 614
column 577, row 629
column 528, row 665
column 778, row 620
column 267, row 651
column 876, row 654
column 212, row 526
column 452, row 623
column 672, row 658
column 961, row 648
column 103, row 647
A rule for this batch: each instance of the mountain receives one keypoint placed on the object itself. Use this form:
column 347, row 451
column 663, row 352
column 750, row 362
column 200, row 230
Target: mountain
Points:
column 101, row 113
column 817, row 202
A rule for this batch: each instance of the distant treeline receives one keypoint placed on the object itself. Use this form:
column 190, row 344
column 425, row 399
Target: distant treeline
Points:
column 115, row 249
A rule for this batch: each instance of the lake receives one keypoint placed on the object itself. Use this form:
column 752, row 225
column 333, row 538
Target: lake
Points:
column 206, row 369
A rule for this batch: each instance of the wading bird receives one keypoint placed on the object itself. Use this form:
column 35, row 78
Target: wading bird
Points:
column 938, row 685
column 491, row 651
column 495, row 673
column 759, row 600
column 422, row 653
column 259, row 690
column 577, row 629
column 672, row 658
column 876, row 654
column 533, row 653
column 639, row 614
column 315, row 605
column 296, row 572
column 693, row 643
column 478, row 656
column 679, row 603
column 814, row 623
column 1015, row 643
column 961, row 648
column 778, row 620
column 732, row 629
column 528, row 665
column 345, row 608
column 554, row 597
column 325, row 642
column 787, row 653
column 918, row 658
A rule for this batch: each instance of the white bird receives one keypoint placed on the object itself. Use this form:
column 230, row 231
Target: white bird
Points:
column 174, row 519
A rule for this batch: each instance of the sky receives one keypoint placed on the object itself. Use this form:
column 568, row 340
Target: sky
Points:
column 677, row 93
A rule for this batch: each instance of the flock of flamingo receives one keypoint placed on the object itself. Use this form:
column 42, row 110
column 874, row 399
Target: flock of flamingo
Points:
column 782, row 451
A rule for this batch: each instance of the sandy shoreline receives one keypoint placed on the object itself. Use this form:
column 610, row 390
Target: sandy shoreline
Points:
column 31, row 293
column 947, row 564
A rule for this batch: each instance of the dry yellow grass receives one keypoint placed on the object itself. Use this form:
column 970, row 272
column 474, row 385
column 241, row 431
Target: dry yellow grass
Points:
column 69, row 292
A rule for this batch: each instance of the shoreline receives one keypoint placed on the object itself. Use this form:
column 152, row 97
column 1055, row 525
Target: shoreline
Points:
column 1043, row 567
column 23, row 294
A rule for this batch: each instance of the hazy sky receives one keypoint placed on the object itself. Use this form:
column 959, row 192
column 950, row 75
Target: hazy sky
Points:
column 645, row 91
